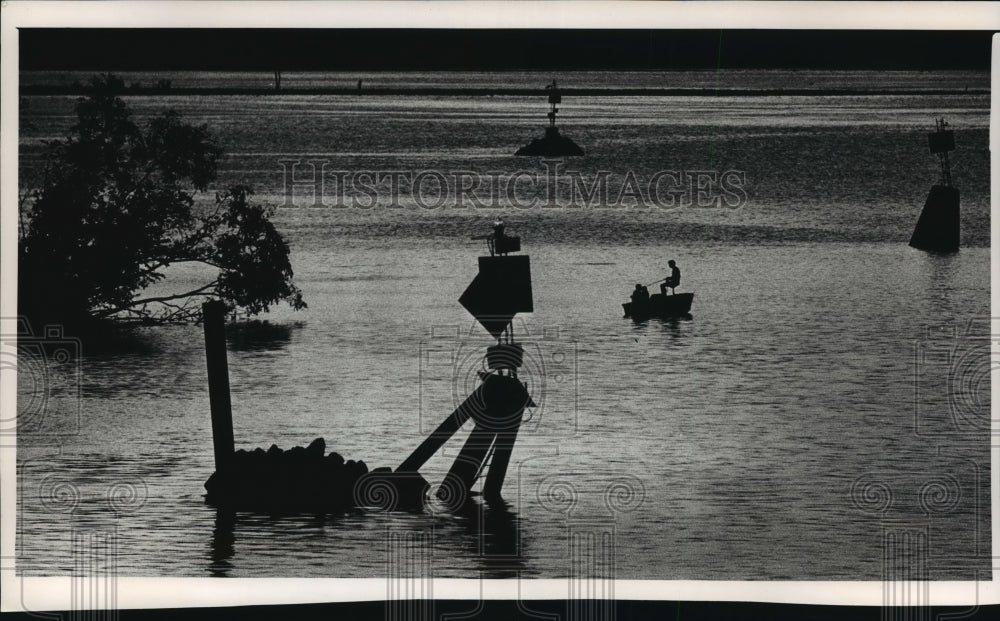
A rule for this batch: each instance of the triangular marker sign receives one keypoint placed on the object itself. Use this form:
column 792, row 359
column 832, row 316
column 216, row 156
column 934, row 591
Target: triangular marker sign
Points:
column 500, row 290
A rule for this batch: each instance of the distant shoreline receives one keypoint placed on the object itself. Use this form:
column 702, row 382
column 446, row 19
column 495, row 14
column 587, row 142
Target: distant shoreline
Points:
column 509, row 92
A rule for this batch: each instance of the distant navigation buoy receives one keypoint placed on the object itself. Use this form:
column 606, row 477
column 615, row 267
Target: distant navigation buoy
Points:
column 938, row 228
column 553, row 144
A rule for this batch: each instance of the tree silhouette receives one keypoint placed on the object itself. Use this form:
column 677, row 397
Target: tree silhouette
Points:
column 116, row 206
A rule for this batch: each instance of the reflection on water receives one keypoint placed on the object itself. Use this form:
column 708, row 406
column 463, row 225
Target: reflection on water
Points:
column 110, row 343
column 260, row 335
column 223, row 543
column 487, row 534
column 492, row 532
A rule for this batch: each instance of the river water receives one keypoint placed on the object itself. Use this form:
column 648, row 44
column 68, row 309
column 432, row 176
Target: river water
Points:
column 829, row 392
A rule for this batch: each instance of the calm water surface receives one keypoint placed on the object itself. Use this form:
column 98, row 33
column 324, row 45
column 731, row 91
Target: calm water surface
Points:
column 831, row 385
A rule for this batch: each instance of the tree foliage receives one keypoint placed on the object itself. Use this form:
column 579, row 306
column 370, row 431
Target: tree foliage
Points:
column 116, row 206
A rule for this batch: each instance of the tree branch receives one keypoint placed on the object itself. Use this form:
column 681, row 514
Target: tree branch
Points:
column 193, row 292
column 169, row 261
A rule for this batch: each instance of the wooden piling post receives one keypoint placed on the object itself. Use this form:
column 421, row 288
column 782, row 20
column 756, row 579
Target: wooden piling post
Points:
column 214, row 317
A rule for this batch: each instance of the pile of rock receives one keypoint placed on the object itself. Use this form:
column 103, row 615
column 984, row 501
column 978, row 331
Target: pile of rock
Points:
column 553, row 144
column 299, row 479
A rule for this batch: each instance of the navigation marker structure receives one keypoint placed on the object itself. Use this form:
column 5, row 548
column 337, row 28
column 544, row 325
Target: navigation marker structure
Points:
column 939, row 228
column 500, row 290
column 302, row 478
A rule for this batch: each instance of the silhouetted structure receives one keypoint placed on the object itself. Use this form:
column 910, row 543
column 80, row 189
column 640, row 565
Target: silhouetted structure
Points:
column 939, row 228
column 214, row 321
column 552, row 144
column 499, row 243
column 300, row 479
column 303, row 478
column 500, row 290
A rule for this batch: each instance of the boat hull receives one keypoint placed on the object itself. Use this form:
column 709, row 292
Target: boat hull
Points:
column 659, row 305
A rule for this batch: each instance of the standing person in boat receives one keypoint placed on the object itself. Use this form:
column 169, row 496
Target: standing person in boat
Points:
column 673, row 280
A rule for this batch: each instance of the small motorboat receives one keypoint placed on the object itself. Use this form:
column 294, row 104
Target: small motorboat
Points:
column 660, row 305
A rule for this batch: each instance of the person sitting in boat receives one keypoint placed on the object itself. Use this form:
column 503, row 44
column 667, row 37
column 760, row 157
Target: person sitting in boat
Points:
column 640, row 295
column 673, row 280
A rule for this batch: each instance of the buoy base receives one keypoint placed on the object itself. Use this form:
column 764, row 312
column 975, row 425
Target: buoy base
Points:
column 303, row 479
column 938, row 228
column 552, row 145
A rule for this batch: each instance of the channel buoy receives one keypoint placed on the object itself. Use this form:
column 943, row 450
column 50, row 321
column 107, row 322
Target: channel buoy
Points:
column 552, row 144
column 938, row 228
